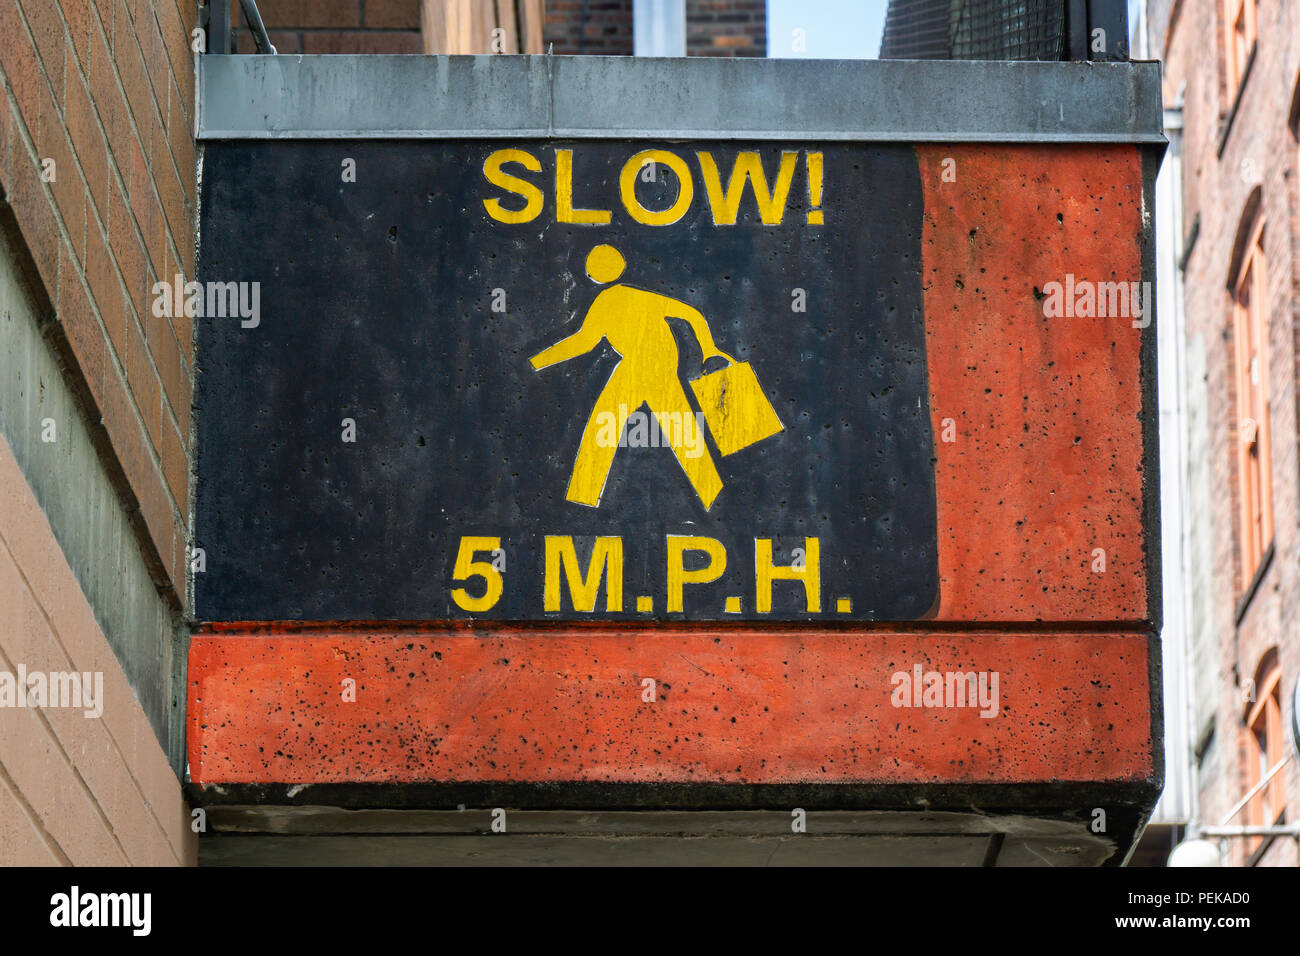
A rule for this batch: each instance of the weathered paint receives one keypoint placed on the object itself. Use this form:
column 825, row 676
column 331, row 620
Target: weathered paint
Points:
column 569, row 704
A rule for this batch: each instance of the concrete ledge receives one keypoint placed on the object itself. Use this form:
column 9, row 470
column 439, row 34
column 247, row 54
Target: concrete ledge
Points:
column 352, row 97
column 305, row 820
column 1063, row 850
column 90, row 522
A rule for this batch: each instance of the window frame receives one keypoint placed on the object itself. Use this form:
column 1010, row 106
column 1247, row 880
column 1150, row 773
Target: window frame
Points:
column 1268, row 806
column 1253, row 445
column 1237, row 53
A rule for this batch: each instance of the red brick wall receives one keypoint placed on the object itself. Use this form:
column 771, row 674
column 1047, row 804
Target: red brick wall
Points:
column 726, row 27
column 335, row 26
column 602, row 27
column 1258, row 151
column 106, row 90
column 713, row 27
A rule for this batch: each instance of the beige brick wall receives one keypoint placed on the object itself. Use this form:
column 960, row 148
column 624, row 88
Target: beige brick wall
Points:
column 73, row 790
column 101, row 95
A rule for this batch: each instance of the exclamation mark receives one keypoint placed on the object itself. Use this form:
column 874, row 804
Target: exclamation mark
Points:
column 815, row 189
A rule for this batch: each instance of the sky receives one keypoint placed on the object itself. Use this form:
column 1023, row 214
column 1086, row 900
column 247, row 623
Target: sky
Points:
column 835, row 29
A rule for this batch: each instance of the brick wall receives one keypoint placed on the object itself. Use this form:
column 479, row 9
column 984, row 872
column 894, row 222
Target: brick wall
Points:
column 335, row 26
column 97, row 203
column 726, row 27
column 74, row 789
column 713, row 27
column 106, row 92
column 1229, row 152
column 601, row 27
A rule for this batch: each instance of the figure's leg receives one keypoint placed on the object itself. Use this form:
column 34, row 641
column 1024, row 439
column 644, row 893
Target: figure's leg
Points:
column 677, row 422
column 600, row 441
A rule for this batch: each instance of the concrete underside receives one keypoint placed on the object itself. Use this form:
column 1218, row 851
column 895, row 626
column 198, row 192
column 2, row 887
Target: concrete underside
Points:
column 328, row 836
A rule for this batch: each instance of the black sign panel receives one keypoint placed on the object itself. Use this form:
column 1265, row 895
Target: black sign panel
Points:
column 549, row 380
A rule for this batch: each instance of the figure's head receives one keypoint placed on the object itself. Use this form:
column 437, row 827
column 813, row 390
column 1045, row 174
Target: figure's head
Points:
column 605, row 264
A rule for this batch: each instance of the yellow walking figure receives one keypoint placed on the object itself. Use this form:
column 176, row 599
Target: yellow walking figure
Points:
column 635, row 323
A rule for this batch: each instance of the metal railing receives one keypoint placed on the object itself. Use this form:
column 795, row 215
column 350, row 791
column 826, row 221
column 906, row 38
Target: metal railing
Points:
column 214, row 15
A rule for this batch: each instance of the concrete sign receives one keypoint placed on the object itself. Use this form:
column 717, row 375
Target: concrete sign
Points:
column 568, row 380
column 792, row 445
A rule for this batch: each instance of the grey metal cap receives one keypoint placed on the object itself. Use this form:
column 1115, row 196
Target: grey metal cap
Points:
column 611, row 97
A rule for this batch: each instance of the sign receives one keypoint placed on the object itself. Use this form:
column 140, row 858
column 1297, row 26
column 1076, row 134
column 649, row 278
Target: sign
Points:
column 549, row 380
column 688, row 433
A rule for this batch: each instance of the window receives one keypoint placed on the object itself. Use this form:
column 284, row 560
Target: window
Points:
column 1241, row 19
column 1255, row 480
column 1264, row 749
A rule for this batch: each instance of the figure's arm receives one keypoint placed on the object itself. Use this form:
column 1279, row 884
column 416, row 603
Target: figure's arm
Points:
column 700, row 326
column 571, row 346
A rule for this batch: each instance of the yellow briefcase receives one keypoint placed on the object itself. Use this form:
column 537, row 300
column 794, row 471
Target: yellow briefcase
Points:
column 735, row 409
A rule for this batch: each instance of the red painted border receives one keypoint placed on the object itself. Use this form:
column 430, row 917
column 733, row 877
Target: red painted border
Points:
column 567, row 705
column 1046, row 461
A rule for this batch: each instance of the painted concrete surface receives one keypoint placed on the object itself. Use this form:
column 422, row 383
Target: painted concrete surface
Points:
column 1034, row 448
column 1048, row 461
column 737, row 707
column 1042, row 443
column 1043, row 495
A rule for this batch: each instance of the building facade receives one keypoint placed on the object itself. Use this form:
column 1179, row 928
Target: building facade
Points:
column 97, row 205
column 1232, row 98
column 569, row 27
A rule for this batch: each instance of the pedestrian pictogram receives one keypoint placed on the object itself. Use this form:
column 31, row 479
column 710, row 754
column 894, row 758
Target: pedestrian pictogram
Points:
column 635, row 323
